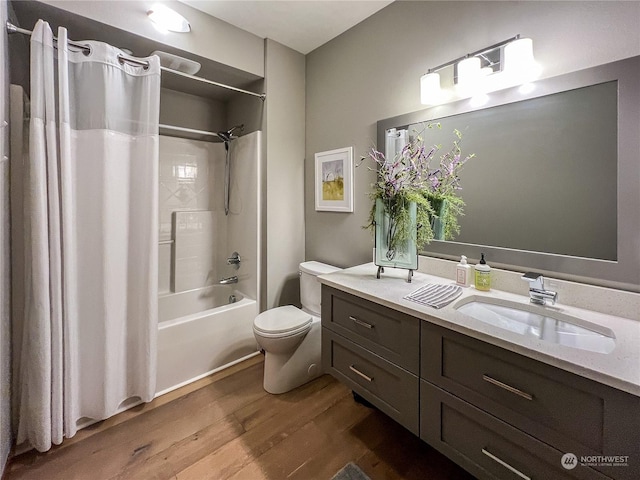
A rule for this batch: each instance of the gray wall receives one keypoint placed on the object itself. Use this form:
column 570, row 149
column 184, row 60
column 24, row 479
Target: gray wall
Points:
column 372, row 72
column 285, row 127
column 5, row 258
column 192, row 111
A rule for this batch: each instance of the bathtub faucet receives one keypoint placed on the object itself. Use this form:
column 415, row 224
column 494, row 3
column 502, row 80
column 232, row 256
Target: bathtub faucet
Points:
column 228, row 280
column 234, row 260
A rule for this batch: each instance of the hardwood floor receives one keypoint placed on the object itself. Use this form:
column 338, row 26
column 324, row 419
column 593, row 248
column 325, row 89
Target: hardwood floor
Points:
column 227, row 427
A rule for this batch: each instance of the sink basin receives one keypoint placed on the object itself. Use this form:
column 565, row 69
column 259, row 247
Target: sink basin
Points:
column 540, row 322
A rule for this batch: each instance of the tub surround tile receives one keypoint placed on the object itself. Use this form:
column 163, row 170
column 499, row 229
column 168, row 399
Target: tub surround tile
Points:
column 194, row 244
column 190, row 179
column 186, row 180
column 619, row 369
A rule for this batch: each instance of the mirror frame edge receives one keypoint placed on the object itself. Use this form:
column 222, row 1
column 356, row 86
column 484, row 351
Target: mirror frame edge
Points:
column 624, row 273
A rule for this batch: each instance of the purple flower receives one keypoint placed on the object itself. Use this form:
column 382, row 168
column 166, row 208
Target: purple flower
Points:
column 411, row 170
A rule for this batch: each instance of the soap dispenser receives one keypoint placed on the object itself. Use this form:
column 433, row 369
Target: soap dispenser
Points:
column 463, row 276
column 483, row 275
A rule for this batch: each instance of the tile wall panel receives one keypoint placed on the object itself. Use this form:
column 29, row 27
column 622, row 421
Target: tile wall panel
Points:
column 191, row 179
column 194, row 248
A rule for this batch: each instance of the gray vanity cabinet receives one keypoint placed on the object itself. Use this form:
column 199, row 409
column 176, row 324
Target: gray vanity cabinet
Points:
column 375, row 351
column 486, row 446
column 496, row 413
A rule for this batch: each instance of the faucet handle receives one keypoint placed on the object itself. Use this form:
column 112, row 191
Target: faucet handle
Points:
column 535, row 279
column 537, row 293
column 531, row 276
column 234, row 259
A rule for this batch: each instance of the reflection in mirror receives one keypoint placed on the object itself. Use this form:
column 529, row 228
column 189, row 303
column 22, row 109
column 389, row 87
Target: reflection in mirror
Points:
column 544, row 179
column 555, row 185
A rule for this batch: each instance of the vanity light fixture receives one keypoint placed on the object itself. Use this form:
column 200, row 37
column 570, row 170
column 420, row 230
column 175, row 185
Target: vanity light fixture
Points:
column 167, row 19
column 469, row 76
column 430, row 91
column 504, row 64
column 519, row 61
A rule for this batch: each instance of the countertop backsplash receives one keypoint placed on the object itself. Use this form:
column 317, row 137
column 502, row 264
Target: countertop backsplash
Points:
column 610, row 301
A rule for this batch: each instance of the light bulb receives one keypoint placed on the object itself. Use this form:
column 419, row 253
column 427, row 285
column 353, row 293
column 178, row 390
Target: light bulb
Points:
column 519, row 63
column 168, row 19
column 469, row 77
column 430, row 91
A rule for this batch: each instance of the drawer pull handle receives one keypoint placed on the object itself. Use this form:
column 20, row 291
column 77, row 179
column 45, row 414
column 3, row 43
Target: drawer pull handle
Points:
column 508, row 388
column 357, row 321
column 505, row 465
column 358, row 372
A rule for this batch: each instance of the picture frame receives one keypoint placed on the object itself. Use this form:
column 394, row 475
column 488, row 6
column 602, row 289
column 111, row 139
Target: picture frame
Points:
column 334, row 180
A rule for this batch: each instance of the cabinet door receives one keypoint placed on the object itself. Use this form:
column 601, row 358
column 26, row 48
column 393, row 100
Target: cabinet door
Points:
column 386, row 332
column 486, row 446
column 564, row 410
column 390, row 388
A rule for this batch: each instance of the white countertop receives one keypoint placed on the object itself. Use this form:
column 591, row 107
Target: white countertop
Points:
column 619, row 369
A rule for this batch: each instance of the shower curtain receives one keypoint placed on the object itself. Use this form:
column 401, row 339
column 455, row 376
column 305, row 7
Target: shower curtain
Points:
column 90, row 326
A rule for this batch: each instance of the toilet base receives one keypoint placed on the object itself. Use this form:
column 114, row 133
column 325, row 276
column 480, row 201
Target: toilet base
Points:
column 284, row 372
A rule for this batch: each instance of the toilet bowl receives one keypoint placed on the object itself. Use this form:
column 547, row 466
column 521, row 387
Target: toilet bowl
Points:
column 281, row 329
column 292, row 356
column 290, row 336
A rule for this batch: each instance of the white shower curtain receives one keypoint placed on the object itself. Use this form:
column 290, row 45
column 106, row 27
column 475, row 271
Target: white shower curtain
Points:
column 90, row 326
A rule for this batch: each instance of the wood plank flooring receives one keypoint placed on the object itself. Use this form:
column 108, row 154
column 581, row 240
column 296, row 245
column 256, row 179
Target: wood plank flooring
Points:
column 227, row 427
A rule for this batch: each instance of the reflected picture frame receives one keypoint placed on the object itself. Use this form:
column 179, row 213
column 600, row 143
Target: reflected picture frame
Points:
column 334, row 180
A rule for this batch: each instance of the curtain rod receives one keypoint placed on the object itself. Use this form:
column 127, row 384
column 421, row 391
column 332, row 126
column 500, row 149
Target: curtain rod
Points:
column 188, row 130
column 11, row 28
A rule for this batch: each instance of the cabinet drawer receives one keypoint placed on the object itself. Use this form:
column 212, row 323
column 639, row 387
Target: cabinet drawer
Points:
column 564, row 410
column 390, row 388
column 486, row 446
column 390, row 334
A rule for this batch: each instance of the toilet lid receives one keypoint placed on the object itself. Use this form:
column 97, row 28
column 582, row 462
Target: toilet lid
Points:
column 281, row 320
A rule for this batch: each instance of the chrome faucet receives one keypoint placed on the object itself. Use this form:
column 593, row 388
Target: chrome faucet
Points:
column 234, row 260
column 537, row 293
column 228, row 280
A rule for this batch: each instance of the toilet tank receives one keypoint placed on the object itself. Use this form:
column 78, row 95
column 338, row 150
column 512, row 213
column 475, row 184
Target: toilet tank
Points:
column 310, row 287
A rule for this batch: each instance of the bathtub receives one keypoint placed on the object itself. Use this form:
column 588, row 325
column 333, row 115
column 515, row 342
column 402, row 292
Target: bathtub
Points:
column 200, row 332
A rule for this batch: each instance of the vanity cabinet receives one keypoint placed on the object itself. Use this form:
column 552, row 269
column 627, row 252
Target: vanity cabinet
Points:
column 496, row 413
column 486, row 446
column 510, row 404
column 375, row 351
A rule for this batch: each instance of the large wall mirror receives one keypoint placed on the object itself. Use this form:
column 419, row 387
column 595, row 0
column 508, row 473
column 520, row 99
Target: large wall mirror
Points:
column 555, row 184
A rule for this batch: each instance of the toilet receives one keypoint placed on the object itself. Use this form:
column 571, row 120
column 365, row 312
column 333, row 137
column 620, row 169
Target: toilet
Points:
column 290, row 337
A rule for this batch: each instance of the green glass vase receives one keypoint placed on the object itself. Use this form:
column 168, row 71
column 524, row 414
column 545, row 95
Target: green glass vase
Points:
column 390, row 252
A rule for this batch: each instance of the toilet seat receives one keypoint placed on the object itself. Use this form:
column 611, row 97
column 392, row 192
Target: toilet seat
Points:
column 282, row 322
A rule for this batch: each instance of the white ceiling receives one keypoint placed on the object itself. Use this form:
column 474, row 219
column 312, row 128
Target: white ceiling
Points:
column 302, row 25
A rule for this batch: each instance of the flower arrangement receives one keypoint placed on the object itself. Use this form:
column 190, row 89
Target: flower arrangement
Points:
column 414, row 175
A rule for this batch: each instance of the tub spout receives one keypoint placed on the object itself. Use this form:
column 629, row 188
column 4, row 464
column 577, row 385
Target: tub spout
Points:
column 228, row 280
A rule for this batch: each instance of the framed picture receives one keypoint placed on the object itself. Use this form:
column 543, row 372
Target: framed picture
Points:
column 334, row 180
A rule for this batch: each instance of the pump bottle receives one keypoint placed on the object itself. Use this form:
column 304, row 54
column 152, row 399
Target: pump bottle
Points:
column 463, row 274
column 482, row 275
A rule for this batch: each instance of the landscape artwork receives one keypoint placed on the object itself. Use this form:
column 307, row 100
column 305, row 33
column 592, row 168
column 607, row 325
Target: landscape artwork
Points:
column 334, row 180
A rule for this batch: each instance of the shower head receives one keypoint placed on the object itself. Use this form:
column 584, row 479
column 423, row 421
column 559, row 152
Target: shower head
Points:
column 228, row 135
